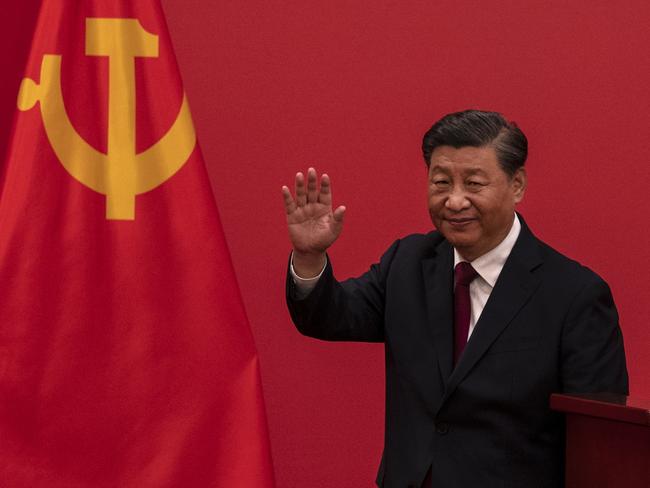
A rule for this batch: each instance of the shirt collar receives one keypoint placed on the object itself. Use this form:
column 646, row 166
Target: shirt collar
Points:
column 490, row 264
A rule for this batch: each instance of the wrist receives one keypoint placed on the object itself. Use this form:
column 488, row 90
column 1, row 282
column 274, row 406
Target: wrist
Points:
column 308, row 265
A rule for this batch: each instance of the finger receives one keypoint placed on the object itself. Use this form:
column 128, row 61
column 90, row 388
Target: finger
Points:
column 289, row 203
column 301, row 192
column 325, row 195
column 312, row 186
column 339, row 213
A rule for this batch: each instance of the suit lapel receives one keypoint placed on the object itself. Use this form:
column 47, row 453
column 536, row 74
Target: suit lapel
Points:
column 516, row 284
column 438, row 284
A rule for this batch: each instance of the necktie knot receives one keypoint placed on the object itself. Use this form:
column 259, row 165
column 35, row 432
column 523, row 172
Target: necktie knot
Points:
column 464, row 273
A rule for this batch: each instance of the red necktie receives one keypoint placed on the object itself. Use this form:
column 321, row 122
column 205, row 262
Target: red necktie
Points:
column 464, row 274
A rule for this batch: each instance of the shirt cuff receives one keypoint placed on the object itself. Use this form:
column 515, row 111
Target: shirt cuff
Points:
column 304, row 286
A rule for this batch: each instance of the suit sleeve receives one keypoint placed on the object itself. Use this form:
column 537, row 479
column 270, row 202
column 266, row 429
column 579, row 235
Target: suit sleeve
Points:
column 352, row 310
column 593, row 357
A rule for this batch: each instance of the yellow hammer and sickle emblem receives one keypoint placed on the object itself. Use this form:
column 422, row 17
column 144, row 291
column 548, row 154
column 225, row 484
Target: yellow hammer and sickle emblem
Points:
column 121, row 174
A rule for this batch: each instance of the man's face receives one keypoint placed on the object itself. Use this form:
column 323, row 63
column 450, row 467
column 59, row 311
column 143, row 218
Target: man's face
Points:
column 471, row 199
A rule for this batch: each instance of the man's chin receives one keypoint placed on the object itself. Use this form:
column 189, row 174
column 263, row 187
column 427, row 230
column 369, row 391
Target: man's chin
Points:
column 460, row 240
column 458, row 236
column 460, row 243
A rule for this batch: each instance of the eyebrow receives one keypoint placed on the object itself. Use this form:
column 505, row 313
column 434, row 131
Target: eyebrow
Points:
column 470, row 171
column 437, row 167
column 476, row 171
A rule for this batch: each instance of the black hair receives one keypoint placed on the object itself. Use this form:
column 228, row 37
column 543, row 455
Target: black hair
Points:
column 477, row 128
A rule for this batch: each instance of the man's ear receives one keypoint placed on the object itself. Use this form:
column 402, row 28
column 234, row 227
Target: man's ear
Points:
column 519, row 182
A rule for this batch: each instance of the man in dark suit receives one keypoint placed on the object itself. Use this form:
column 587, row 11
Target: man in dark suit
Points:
column 481, row 320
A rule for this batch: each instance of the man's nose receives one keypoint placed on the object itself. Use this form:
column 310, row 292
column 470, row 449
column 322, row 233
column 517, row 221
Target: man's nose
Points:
column 457, row 200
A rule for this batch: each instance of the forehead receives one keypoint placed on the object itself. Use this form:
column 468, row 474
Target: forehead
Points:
column 468, row 158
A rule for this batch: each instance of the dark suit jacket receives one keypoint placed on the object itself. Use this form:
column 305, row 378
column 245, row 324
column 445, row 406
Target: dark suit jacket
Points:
column 550, row 325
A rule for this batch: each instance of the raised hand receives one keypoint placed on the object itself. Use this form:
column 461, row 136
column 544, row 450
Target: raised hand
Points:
column 313, row 226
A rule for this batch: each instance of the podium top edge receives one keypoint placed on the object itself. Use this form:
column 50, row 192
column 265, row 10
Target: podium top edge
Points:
column 604, row 405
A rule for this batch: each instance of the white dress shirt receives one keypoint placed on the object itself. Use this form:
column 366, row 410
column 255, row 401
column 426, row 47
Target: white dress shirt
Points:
column 488, row 266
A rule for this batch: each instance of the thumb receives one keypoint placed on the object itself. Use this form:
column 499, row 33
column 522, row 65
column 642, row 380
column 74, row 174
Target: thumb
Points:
column 339, row 213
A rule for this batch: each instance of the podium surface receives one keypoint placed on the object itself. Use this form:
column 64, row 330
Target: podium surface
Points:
column 607, row 440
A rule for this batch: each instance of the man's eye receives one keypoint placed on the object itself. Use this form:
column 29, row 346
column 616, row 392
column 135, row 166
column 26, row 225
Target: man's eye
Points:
column 475, row 184
column 441, row 182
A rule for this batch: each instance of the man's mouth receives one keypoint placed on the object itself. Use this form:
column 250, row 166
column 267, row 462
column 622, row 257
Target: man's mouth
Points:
column 459, row 222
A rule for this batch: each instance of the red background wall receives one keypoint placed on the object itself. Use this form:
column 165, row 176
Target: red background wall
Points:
column 350, row 87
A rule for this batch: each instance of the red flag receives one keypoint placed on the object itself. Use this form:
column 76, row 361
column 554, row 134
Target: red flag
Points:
column 126, row 359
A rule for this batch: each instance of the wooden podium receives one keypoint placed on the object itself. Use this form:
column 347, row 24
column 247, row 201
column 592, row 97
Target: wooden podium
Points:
column 607, row 440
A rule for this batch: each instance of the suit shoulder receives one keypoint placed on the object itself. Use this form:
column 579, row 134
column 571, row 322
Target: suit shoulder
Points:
column 420, row 243
column 411, row 249
column 561, row 265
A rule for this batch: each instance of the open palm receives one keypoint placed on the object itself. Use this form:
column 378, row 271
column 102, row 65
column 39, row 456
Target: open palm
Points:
column 313, row 225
